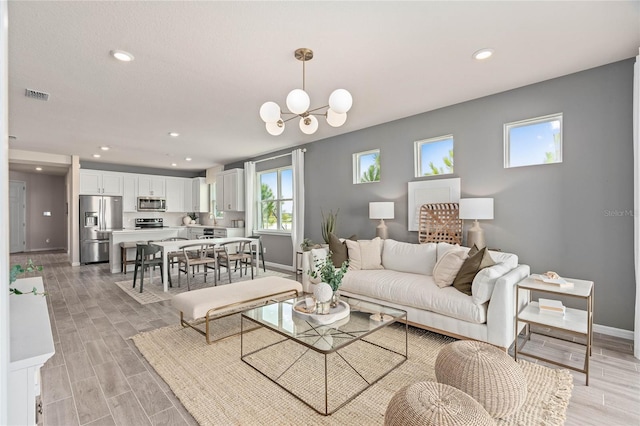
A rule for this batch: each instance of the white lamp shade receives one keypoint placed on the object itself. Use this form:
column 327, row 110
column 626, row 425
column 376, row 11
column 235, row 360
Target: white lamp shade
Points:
column 340, row 101
column 298, row 101
column 275, row 128
column 310, row 128
column 334, row 119
column 270, row 112
column 381, row 210
column 476, row 208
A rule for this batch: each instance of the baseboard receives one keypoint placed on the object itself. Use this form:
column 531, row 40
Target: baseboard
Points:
column 45, row 249
column 612, row 331
column 279, row 266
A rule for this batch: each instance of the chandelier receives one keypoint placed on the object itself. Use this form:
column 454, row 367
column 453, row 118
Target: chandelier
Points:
column 298, row 103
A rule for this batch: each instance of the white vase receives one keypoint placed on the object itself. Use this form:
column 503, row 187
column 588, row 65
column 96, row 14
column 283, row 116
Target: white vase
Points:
column 186, row 220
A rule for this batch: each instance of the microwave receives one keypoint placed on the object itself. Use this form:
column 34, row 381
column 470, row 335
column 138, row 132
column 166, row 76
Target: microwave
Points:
column 152, row 204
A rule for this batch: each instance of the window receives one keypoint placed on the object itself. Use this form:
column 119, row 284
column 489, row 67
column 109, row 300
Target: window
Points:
column 276, row 199
column 213, row 211
column 366, row 166
column 533, row 141
column 434, row 156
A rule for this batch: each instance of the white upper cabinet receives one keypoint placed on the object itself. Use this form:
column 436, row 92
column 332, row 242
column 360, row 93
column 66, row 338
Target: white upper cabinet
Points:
column 188, row 195
column 96, row 182
column 200, row 195
column 176, row 194
column 230, row 190
column 129, row 193
column 151, row 186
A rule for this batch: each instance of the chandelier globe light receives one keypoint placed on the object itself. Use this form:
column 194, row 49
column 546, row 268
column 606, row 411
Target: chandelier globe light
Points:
column 298, row 103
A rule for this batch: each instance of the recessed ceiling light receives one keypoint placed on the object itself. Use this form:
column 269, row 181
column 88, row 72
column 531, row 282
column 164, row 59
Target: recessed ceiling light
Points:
column 39, row 169
column 187, row 159
column 121, row 55
column 482, row 54
column 174, row 165
column 96, row 155
column 174, row 134
column 104, row 148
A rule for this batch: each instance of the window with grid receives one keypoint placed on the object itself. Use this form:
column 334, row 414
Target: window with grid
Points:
column 276, row 199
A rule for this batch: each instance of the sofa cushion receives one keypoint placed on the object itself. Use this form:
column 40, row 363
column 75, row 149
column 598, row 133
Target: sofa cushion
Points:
column 447, row 267
column 470, row 268
column 338, row 248
column 485, row 281
column 407, row 257
column 365, row 254
column 415, row 290
column 442, row 248
column 509, row 259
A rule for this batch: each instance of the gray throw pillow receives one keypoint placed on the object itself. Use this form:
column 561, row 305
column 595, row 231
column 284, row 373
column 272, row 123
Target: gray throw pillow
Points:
column 338, row 249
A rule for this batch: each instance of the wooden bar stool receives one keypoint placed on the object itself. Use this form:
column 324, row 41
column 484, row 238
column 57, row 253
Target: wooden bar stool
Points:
column 124, row 246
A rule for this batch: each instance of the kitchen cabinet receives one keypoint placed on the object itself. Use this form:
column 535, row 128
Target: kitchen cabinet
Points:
column 175, row 194
column 151, row 186
column 199, row 195
column 194, row 232
column 230, row 190
column 96, row 182
column 188, row 195
column 129, row 193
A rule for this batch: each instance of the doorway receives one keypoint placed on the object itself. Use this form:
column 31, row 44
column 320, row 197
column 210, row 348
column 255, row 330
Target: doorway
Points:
column 17, row 216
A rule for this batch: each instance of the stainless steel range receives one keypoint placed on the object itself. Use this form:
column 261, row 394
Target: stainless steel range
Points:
column 147, row 223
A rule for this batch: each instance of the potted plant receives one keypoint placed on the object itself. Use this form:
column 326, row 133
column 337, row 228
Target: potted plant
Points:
column 21, row 269
column 193, row 216
column 328, row 273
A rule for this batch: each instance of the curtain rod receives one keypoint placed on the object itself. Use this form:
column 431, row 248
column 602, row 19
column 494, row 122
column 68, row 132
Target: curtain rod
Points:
column 277, row 156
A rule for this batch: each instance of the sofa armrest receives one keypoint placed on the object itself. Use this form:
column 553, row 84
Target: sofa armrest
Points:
column 307, row 262
column 501, row 311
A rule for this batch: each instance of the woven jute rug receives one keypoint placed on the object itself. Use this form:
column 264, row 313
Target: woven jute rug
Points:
column 217, row 388
column 153, row 291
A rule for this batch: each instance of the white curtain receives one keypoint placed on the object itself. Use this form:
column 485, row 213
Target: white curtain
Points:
column 636, row 192
column 249, row 198
column 297, row 230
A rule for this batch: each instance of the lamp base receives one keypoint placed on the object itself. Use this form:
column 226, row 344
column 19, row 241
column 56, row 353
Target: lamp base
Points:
column 382, row 231
column 475, row 235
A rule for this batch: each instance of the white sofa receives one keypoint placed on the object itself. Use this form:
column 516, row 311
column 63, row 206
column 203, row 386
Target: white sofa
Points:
column 405, row 281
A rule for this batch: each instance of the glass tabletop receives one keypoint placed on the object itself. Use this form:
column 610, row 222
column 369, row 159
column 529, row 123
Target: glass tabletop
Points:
column 364, row 318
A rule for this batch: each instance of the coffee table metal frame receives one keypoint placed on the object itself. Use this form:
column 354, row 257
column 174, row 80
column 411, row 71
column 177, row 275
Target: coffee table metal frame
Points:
column 359, row 308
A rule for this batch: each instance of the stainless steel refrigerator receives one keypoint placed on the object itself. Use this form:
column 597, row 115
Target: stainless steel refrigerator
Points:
column 99, row 216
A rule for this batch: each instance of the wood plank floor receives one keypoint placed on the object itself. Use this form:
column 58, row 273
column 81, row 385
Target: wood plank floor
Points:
column 98, row 377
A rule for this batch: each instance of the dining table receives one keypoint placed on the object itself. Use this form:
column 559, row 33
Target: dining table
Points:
column 169, row 246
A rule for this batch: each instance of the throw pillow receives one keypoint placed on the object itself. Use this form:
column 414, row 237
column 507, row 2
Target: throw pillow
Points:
column 485, row 281
column 470, row 268
column 355, row 258
column 447, row 267
column 338, row 249
column 371, row 252
column 487, row 260
column 442, row 248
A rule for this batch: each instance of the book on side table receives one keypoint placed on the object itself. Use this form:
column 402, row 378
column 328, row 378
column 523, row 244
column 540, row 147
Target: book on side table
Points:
column 560, row 282
column 549, row 306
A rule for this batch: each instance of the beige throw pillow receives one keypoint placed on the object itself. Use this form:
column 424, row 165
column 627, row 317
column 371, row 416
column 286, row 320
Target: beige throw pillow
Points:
column 447, row 267
column 365, row 254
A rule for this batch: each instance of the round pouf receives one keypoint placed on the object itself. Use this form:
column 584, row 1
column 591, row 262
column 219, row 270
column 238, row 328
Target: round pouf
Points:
column 431, row 403
column 485, row 373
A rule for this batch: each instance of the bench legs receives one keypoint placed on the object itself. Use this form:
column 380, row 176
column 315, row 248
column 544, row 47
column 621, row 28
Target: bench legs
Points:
column 218, row 312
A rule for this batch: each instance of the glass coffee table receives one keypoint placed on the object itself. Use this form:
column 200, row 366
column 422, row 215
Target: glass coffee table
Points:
column 324, row 366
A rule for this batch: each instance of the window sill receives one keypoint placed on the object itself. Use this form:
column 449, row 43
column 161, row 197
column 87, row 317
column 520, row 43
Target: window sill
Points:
column 273, row 232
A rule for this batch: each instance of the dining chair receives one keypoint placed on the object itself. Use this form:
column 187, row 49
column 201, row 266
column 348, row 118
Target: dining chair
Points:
column 146, row 258
column 260, row 250
column 172, row 256
column 237, row 252
column 196, row 255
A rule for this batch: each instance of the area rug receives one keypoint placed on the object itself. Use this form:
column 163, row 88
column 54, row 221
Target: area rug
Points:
column 217, row 388
column 153, row 291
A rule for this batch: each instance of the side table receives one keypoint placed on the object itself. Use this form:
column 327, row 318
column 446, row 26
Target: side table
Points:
column 575, row 321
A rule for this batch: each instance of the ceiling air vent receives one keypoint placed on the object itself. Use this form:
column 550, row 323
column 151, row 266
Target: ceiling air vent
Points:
column 36, row 94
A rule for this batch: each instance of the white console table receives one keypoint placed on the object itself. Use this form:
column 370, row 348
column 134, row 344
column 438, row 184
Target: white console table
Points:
column 31, row 343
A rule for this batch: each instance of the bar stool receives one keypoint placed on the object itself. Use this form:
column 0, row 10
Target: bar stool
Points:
column 124, row 246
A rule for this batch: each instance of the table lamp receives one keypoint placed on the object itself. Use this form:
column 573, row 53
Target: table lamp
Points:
column 476, row 208
column 381, row 210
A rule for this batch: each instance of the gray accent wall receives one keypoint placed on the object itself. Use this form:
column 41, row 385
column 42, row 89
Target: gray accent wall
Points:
column 574, row 217
column 44, row 193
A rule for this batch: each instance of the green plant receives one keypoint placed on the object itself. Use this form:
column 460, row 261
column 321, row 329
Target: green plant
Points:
column 193, row 215
column 306, row 244
column 21, row 269
column 328, row 273
column 328, row 224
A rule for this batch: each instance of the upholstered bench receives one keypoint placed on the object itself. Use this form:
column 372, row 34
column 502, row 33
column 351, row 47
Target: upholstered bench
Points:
column 211, row 303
